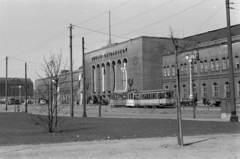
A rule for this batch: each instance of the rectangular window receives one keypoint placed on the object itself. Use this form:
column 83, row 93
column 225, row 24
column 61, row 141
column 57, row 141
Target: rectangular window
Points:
column 206, row 66
column 168, row 71
column 184, row 92
column 201, row 67
column 236, row 62
column 217, row 65
column 165, row 72
column 227, row 63
column 212, row 65
column 215, row 91
column 195, row 68
column 228, row 91
column 204, row 91
column 173, row 71
column 185, row 67
column 182, row 69
column 224, row 64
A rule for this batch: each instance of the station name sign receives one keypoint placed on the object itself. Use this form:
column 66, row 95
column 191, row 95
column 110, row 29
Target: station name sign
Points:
column 106, row 55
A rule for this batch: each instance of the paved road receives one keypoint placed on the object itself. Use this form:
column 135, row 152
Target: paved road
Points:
column 202, row 112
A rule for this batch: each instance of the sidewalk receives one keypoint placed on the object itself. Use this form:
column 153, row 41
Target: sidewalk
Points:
column 197, row 147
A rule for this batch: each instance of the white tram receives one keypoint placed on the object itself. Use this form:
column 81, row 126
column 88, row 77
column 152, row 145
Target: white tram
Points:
column 146, row 98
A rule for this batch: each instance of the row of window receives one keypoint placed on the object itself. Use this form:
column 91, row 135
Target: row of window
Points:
column 215, row 92
column 214, row 66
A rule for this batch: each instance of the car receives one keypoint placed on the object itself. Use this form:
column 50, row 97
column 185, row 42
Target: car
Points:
column 42, row 102
column 185, row 102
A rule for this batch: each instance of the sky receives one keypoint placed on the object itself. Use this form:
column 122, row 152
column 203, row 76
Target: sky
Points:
column 31, row 30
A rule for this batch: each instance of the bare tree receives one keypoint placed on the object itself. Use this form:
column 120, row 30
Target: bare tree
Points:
column 48, row 89
column 179, row 46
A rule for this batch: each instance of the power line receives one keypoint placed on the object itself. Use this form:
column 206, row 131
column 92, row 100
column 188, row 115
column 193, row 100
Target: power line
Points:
column 166, row 18
column 100, row 32
column 130, row 18
column 103, row 13
column 208, row 19
column 54, row 37
column 24, row 60
column 152, row 23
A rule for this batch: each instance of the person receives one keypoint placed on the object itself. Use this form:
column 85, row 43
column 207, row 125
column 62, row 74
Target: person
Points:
column 204, row 100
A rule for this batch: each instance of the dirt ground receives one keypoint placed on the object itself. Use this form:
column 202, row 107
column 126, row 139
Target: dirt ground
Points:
column 196, row 147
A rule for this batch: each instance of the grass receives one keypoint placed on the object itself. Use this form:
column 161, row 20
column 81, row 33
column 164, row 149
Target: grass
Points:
column 18, row 128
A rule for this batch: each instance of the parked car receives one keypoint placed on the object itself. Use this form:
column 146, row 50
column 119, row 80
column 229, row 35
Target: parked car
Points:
column 185, row 102
column 42, row 102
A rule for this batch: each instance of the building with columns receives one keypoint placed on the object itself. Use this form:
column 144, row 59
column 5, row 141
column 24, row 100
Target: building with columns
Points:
column 146, row 63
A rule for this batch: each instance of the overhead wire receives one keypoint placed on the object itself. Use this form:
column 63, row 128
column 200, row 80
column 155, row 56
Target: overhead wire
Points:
column 122, row 36
column 54, row 37
column 103, row 13
column 25, row 61
column 195, row 32
column 129, row 18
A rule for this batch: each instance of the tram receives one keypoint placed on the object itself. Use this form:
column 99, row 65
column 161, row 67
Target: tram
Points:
column 146, row 98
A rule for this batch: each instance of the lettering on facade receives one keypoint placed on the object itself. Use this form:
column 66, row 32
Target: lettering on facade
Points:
column 106, row 55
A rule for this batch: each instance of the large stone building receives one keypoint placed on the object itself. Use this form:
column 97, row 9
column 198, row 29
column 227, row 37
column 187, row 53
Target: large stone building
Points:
column 146, row 63
column 16, row 88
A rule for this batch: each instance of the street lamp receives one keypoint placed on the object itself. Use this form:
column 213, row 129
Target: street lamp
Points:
column 191, row 58
column 20, row 94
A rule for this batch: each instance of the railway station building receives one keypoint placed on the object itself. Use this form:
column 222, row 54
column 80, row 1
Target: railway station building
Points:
column 146, row 63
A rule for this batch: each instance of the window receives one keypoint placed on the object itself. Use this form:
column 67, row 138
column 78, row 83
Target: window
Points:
column 204, row 88
column 212, row 65
column 227, row 63
column 194, row 91
column 215, row 90
column 182, row 69
column 205, row 66
column 224, row 64
column 168, row 71
column 185, row 68
column 195, row 67
column 164, row 71
column 236, row 62
column 201, row 67
column 166, row 87
column 175, row 91
column 184, row 92
column 238, row 88
column 173, row 70
column 227, row 89
column 216, row 65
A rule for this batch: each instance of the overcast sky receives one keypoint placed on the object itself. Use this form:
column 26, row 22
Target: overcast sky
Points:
column 31, row 29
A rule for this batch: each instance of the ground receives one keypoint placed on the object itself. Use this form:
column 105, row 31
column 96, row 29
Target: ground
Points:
column 196, row 147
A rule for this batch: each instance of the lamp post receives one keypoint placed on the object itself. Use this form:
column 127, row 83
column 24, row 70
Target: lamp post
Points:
column 191, row 58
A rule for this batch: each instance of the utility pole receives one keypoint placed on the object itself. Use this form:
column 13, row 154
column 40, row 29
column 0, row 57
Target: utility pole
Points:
column 233, row 117
column 26, row 88
column 84, row 91
column 71, row 74
column 6, row 85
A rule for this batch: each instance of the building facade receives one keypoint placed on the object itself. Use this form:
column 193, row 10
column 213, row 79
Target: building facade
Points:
column 16, row 88
column 43, row 85
column 145, row 63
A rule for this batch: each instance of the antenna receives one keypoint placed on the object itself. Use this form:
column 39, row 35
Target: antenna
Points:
column 109, row 28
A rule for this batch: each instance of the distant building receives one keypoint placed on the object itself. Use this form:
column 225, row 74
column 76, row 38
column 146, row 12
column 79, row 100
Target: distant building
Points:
column 14, row 87
column 42, row 87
